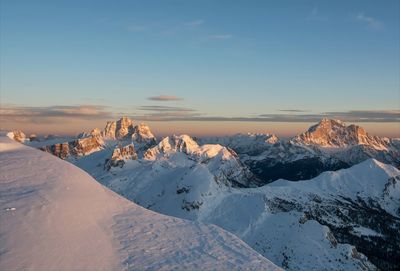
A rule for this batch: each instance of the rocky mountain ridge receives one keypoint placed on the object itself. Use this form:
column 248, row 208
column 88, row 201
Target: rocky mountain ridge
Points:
column 328, row 145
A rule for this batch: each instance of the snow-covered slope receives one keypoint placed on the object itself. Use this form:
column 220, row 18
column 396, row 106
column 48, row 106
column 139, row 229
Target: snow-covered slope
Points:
column 328, row 218
column 54, row 216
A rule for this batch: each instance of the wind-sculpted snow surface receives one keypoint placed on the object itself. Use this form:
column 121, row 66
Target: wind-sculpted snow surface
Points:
column 54, row 216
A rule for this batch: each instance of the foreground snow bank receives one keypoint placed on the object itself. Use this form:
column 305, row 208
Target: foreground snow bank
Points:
column 54, row 216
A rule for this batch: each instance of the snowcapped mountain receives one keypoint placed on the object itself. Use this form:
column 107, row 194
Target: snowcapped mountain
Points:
column 251, row 144
column 221, row 162
column 336, row 134
column 123, row 140
column 115, row 134
column 328, row 145
column 56, row 217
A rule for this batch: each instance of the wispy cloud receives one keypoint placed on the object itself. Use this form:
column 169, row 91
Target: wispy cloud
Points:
column 165, row 113
column 186, row 114
column 293, row 110
column 220, row 36
column 370, row 22
column 53, row 114
column 194, row 23
column 165, row 98
column 50, row 114
column 160, row 108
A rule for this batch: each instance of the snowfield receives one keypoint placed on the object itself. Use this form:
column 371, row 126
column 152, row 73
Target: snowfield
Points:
column 54, row 216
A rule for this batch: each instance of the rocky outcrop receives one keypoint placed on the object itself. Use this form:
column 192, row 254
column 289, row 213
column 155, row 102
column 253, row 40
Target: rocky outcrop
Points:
column 75, row 148
column 119, row 155
column 17, row 135
column 33, row 137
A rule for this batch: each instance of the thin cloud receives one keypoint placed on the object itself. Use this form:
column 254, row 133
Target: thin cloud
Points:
column 370, row 22
column 220, row 37
column 194, row 23
column 50, row 114
column 181, row 114
column 53, row 114
column 166, row 113
column 164, row 98
column 293, row 110
column 160, row 108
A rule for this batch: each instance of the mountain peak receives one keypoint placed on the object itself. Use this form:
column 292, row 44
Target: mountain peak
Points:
column 335, row 133
column 327, row 123
column 118, row 129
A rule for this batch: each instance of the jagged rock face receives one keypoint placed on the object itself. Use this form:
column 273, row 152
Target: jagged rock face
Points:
column 142, row 134
column 109, row 130
column 17, row 135
column 119, row 155
column 124, row 127
column 79, row 147
column 334, row 133
column 95, row 132
column 60, row 150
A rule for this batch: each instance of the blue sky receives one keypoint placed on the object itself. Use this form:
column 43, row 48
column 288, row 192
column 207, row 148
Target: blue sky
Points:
column 222, row 59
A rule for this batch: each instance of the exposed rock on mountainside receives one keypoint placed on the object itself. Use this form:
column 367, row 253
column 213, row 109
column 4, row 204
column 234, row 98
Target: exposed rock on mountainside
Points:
column 33, row 137
column 124, row 131
column 334, row 133
column 120, row 154
column 118, row 129
column 75, row 148
column 17, row 135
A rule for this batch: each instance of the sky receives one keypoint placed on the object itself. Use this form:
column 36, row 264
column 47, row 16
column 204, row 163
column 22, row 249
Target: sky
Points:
column 199, row 67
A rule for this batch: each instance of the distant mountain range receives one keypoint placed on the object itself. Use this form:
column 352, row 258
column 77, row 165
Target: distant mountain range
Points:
column 348, row 218
column 328, row 145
